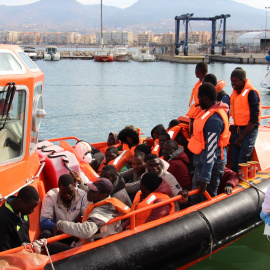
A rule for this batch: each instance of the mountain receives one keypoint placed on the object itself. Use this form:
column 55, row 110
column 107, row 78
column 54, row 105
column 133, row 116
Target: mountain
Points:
column 53, row 15
column 155, row 15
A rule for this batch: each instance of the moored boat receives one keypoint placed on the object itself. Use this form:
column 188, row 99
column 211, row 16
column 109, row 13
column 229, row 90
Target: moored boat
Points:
column 175, row 240
column 103, row 54
column 51, row 54
column 121, row 54
column 143, row 55
column 31, row 52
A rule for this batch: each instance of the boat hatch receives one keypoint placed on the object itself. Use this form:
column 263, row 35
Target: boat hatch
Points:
column 12, row 123
column 9, row 63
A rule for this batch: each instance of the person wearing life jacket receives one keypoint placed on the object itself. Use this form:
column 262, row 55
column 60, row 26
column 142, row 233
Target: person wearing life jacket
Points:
column 172, row 123
column 155, row 165
column 157, row 149
column 178, row 160
column 63, row 203
column 246, row 112
column 102, row 209
column 119, row 192
column 156, row 131
column 153, row 189
column 14, row 219
column 111, row 141
column 194, row 108
column 111, row 154
column 129, row 138
column 219, row 85
column 133, row 176
column 210, row 137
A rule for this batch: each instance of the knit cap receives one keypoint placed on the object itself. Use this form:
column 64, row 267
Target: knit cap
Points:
column 239, row 73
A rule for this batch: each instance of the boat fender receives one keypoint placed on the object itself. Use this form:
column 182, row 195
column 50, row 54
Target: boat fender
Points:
column 58, row 164
column 86, row 168
column 267, row 58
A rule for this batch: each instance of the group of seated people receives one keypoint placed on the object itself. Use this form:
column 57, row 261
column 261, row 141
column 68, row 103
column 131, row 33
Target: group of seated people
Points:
column 151, row 176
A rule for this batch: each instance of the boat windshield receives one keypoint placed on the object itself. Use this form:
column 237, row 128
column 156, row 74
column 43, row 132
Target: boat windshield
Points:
column 51, row 50
column 121, row 50
column 12, row 124
column 28, row 62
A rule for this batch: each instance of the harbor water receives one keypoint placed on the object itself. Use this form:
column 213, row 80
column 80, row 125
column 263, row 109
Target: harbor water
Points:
column 89, row 99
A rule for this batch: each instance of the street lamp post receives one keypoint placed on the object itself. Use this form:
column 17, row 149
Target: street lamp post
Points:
column 266, row 8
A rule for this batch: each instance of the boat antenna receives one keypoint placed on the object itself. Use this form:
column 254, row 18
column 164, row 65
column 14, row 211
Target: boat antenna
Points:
column 101, row 31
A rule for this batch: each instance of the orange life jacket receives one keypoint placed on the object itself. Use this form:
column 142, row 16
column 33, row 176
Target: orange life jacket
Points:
column 118, row 162
column 220, row 85
column 86, row 168
column 196, row 143
column 155, row 150
column 184, row 128
column 118, row 205
column 240, row 110
column 132, row 149
column 104, row 148
column 194, row 108
column 149, row 200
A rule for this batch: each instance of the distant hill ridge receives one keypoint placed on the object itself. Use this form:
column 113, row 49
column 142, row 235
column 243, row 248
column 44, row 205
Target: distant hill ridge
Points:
column 70, row 15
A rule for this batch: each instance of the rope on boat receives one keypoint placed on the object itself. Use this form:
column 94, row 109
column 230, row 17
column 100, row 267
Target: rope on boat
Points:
column 251, row 184
column 210, row 231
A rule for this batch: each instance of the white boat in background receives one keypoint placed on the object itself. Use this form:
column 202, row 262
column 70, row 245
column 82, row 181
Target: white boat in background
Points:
column 31, row 52
column 265, row 83
column 143, row 55
column 51, row 54
column 121, row 54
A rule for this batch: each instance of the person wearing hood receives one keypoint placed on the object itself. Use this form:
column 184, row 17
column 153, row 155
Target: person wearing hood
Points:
column 157, row 130
column 246, row 112
column 119, row 192
column 154, row 165
column 210, row 137
column 178, row 161
column 111, row 141
column 153, row 189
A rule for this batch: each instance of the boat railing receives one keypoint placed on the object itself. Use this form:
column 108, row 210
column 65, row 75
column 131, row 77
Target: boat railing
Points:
column 132, row 216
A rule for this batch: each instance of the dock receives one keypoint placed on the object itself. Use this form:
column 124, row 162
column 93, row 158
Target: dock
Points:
column 241, row 58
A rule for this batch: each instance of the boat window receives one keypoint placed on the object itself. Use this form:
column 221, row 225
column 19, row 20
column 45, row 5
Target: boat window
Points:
column 12, row 125
column 28, row 62
column 143, row 51
column 8, row 63
column 37, row 114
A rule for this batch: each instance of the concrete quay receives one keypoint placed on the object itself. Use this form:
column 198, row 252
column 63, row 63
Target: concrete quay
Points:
column 241, row 58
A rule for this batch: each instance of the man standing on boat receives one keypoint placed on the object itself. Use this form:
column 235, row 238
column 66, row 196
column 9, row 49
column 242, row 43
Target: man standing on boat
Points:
column 246, row 113
column 200, row 72
column 210, row 137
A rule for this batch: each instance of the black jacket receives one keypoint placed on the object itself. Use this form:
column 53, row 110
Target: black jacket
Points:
column 14, row 230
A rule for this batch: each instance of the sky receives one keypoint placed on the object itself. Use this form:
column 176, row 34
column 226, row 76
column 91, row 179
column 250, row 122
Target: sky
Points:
column 126, row 3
